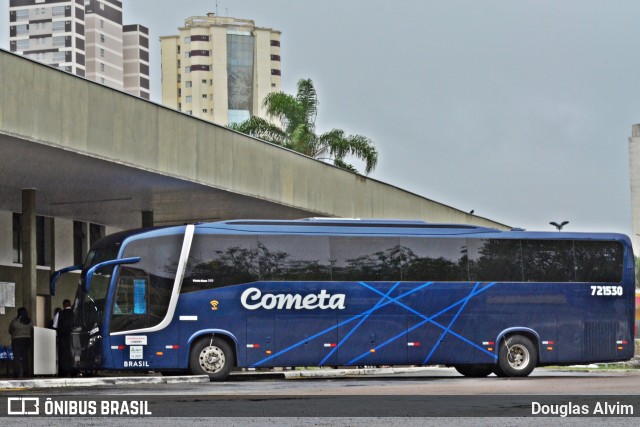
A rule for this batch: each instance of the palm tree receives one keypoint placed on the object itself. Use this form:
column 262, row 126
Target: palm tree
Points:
column 297, row 116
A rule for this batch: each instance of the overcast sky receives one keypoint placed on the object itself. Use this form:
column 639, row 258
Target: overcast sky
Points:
column 518, row 109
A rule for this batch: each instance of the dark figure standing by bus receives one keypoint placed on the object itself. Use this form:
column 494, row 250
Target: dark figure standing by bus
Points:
column 20, row 331
column 64, row 327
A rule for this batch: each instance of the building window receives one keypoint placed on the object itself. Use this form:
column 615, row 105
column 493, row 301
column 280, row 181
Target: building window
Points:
column 102, row 67
column 102, row 52
column 58, row 26
column 187, row 39
column 275, row 58
column 22, row 44
column 22, row 14
column 22, row 29
column 79, row 239
column 102, row 80
column 43, row 239
column 101, row 36
column 204, row 110
column 204, row 96
column 187, row 69
column 275, row 72
column 96, row 232
column 275, row 42
column 187, row 54
column 204, row 81
column 59, row 57
column 188, row 99
column 59, row 41
column 17, row 238
column 58, row 10
column 102, row 23
column 187, row 83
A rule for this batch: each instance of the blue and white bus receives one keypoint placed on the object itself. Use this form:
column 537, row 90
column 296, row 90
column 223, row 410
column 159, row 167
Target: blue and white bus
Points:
column 211, row 297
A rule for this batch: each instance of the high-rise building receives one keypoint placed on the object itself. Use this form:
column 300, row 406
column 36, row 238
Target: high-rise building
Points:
column 634, row 172
column 220, row 69
column 83, row 37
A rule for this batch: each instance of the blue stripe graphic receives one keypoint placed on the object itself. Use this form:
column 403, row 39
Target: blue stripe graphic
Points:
column 385, row 301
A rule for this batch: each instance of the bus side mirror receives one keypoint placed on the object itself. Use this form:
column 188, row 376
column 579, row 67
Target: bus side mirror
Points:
column 92, row 270
column 53, row 279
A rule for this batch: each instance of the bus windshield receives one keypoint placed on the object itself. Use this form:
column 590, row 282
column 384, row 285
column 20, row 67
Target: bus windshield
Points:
column 89, row 306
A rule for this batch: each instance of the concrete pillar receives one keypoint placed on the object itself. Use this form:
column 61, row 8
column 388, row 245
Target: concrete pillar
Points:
column 29, row 255
column 48, row 309
column 147, row 218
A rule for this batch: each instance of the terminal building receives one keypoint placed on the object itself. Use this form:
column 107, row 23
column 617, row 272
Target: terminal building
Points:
column 67, row 179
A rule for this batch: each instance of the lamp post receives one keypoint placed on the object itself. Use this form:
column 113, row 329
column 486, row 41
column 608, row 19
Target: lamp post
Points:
column 559, row 226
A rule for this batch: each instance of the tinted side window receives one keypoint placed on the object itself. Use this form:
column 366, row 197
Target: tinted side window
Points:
column 598, row 261
column 493, row 260
column 294, row 258
column 366, row 258
column 434, row 259
column 220, row 260
column 548, row 261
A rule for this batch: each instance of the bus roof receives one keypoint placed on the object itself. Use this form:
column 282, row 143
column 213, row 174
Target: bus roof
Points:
column 391, row 227
column 354, row 226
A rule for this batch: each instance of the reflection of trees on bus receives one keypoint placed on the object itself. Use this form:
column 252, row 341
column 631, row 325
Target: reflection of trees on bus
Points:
column 463, row 260
column 495, row 260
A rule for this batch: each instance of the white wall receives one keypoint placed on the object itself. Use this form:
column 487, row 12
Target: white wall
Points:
column 64, row 242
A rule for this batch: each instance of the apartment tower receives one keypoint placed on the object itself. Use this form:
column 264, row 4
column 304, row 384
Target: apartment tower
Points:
column 220, row 69
column 83, row 37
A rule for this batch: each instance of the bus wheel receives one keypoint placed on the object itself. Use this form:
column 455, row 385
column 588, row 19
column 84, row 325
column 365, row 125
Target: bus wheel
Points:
column 498, row 371
column 517, row 356
column 474, row 371
column 211, row 356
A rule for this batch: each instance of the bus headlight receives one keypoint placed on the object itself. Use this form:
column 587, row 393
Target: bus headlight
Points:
column 94, row 340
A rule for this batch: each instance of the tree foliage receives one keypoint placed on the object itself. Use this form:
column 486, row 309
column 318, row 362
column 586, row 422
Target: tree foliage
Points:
column 297, row 116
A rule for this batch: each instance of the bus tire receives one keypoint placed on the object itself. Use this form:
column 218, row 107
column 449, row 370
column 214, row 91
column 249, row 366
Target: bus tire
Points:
column 517, row 356
column 474, row 371
column 211, row 356
column 498, row 371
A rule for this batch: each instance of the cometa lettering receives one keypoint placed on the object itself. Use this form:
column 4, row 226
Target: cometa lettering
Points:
column 253, row 299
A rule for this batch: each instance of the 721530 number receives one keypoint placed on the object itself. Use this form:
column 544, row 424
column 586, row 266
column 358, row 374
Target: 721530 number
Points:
column 606, row 291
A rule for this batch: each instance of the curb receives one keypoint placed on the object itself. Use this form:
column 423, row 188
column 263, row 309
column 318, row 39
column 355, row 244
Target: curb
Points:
column 194, row 379
column 92, row 382
column 349, row 372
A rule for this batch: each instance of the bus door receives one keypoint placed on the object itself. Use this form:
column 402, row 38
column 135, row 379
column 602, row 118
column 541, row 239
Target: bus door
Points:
column 376, row 340
column 141, row 304
column 306, row 340
column 260, row 340
column 445, row 339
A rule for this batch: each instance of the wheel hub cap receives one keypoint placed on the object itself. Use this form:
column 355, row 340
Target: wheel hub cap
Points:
column 211, row 359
